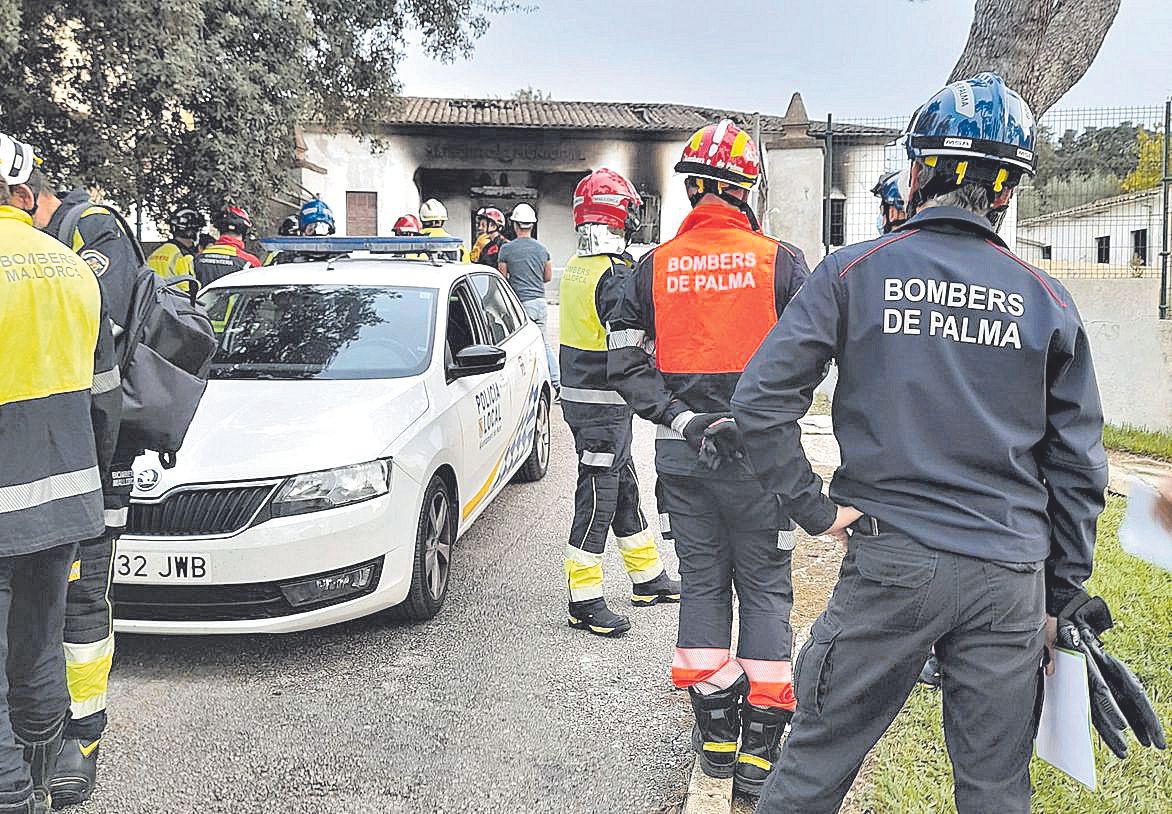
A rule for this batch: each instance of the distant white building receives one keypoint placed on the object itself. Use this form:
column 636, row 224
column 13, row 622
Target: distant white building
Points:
column 471, row 153
column 1120, row 234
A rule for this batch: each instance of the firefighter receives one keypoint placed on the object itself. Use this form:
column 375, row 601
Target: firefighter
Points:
column 606, row 213
column 892, row 192
column 290, row 227
column 101, row 240
column 174, row 258
column 408, row 226
column 433, row 216
column 316, row 219
column 227, row 254
column 973, row 466
column 490, row 223
column 690, row 316
column 59, row 385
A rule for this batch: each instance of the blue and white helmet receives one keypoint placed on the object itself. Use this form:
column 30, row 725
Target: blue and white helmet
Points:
column 978, row 118
column 316, row 218
column 893, row 188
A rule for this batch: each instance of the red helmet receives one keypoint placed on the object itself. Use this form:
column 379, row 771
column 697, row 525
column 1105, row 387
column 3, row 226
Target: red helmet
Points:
column 493, row 215
column 722, row 152
column 604, row 196
column 233, row 219
column 408, row 225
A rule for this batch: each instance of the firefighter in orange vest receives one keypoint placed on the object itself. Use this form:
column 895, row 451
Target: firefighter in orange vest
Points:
column 690, row 317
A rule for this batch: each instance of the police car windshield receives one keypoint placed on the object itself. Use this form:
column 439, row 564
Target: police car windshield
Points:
column 321, row 332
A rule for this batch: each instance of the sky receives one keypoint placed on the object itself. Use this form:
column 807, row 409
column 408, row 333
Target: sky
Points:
column 846, row 57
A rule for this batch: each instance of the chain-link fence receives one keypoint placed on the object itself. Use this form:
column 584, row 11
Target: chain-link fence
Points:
column 1098, row 206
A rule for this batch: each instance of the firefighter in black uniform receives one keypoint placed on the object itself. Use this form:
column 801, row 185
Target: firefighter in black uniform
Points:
column 606, row 208
column 100, row 239
column 227, row 254
column 691, row 315
column 972, row 468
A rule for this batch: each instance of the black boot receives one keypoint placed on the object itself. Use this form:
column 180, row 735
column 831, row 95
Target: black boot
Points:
column 40, row 753
column 595, row 617
column 930, row 675
column 661, row 589
column 761, row 730
column 77, row 772
column 714, row 737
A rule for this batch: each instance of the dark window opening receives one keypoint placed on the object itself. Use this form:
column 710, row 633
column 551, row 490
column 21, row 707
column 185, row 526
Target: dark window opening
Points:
column 838, row 222
column 1047, row 252
column 1103, row 247
column 1139, row 247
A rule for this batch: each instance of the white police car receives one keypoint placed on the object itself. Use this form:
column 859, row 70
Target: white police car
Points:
column 362, row 411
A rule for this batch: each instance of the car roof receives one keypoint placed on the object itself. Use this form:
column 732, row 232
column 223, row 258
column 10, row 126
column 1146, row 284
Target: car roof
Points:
column 365, row 270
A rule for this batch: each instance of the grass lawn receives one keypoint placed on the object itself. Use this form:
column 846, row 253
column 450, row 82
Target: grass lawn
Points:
column 911, row 772
column 1138, row 441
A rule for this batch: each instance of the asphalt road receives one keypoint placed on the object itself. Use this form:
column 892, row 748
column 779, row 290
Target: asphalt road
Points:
column 494, row 706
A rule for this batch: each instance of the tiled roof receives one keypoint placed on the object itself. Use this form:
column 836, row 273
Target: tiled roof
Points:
column 418, row 111
column 1135, row 199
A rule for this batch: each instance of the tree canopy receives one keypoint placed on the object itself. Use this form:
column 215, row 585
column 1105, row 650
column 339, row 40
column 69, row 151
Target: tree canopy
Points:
column 197, row 102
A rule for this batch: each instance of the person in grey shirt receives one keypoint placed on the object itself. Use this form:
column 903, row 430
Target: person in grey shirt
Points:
column 528, row 267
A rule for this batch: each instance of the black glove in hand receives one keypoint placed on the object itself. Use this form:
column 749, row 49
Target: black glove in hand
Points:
column 694, row 429
column 722, row 442
column 1118, row 699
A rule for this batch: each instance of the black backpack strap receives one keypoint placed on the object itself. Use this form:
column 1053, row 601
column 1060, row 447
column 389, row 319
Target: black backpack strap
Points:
column 73, row 218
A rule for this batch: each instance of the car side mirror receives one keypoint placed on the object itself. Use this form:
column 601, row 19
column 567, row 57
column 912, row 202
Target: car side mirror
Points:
column 477, row 359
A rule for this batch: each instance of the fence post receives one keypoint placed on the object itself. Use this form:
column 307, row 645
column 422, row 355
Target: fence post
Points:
column 1167, row 213
column 827, row 183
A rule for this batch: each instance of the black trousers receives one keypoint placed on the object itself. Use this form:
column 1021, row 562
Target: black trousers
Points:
column 34, row 694
column 894, row 598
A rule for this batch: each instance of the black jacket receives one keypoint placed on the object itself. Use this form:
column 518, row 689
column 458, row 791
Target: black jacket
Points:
column 966, row 406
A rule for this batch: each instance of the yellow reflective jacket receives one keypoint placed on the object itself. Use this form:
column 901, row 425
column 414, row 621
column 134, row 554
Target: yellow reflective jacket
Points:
column 60, row 393
column 439, row 231
column 171, row 260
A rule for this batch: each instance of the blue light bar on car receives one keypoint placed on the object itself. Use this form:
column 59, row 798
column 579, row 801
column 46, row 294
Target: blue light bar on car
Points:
column 332, row 244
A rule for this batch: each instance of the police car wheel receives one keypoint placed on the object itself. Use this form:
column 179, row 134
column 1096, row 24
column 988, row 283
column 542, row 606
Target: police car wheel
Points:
column 433, row 556
column 537, row 464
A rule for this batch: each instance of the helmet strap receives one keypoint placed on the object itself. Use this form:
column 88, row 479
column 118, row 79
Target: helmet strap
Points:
column 731, row 200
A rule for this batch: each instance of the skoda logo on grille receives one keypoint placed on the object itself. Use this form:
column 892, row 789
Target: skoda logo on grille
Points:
column 147, row 479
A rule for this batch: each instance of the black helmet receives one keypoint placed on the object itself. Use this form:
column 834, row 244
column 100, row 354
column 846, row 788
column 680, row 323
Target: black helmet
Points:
column 233, row 219
column 290, row 226
column 186, row 222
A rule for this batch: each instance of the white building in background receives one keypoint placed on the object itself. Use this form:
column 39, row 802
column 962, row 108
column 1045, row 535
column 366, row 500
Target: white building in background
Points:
column 471, row 153
column 1112, row 236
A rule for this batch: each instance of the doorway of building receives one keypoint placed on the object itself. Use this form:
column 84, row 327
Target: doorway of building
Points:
column 503, row 198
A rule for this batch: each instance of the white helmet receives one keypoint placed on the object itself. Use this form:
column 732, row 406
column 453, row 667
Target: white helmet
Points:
column 523, row 214
column 432, row 210
column 17, row 160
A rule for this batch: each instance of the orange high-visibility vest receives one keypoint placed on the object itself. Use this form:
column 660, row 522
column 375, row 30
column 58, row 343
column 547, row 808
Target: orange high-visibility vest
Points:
column 714, row 293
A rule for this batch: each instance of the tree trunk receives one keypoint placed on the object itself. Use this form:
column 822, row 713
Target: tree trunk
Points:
column 1041, row 48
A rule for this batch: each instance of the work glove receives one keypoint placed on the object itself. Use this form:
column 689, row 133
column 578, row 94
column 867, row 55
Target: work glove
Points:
column 1118, row 699
column 722, row 443
column 694, row 430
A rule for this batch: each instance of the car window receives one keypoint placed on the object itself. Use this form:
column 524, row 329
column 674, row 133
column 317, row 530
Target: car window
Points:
column 321, row 332
column 461, row 331
column 502, row 320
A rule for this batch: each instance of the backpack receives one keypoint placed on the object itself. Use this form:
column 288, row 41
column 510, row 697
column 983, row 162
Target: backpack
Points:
column 167, row 349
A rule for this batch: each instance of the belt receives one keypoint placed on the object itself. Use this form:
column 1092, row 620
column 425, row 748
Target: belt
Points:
column 866, row 525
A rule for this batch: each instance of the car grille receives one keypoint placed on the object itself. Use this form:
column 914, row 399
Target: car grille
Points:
column 220, row 603
column 196, row 512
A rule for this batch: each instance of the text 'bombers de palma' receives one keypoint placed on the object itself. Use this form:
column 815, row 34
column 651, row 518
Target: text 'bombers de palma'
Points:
column 971, row 331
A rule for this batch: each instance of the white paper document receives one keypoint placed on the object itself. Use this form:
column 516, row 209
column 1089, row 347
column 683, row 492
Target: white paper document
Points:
column 1064, row 733
column 1141, row 534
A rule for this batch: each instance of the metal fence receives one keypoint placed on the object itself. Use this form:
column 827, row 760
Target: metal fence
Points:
column 1098, row 207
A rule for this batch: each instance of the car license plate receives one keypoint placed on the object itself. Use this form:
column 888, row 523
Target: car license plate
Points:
column 156, row 567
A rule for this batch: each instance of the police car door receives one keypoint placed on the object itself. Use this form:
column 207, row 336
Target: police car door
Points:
column 505, row 320
column 482, row 401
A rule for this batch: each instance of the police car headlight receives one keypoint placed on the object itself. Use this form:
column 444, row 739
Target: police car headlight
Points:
column 331, row 488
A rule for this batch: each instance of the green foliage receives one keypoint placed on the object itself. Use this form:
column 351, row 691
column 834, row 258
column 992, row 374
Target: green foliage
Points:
column 1150, row 169
column 196, row 102
column 1063, row 193
column 911, row 772
column 1138, row 441
column 531, row 94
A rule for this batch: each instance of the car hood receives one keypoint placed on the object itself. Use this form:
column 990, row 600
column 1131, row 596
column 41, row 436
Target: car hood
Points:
column 246, row 430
